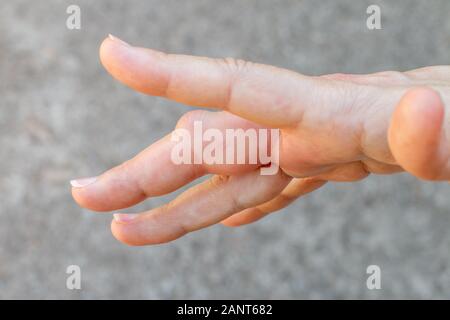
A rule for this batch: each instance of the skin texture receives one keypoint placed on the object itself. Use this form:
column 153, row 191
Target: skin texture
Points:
column 333, row 128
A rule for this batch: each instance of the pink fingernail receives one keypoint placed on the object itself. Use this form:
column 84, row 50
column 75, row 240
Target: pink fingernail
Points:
column 113, row 38
column 125, row 217
column 83, row 182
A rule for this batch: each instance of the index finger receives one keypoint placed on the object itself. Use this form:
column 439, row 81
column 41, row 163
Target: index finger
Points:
column 264, row 94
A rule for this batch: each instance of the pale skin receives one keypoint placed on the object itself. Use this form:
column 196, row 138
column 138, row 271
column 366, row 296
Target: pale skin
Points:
column 335, row 127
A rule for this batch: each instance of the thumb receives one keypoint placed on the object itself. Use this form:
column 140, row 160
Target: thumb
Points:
column 417, row 135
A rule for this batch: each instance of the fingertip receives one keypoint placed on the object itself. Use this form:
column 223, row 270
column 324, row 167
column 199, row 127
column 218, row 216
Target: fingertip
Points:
column 422, row 106
column 87, row 198
column 131, row 229
column 105, row 50
column 105, row 193
column 141, row 232
column 415, row 132
column 113, row 56
column 418, row 115
column 110, row 43
column 123, row 234
column 140, row 69
column 119, row 231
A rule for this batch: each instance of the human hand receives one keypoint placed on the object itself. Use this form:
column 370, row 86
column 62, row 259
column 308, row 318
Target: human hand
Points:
column 332, row 128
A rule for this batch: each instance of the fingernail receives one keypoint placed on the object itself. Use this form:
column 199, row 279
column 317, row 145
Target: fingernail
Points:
column 83, row 182
column 125, row 217
column 113, row 38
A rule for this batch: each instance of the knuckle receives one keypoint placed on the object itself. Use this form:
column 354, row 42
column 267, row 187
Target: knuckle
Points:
column 233, row 65
column 234, row 69
column 125, row 173
column 219, row 180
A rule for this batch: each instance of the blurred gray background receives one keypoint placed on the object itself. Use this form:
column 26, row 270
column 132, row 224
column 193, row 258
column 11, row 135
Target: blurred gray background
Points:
column 62, row 117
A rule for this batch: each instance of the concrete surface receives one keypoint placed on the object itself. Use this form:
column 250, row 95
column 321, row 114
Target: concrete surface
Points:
column 62, row 116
